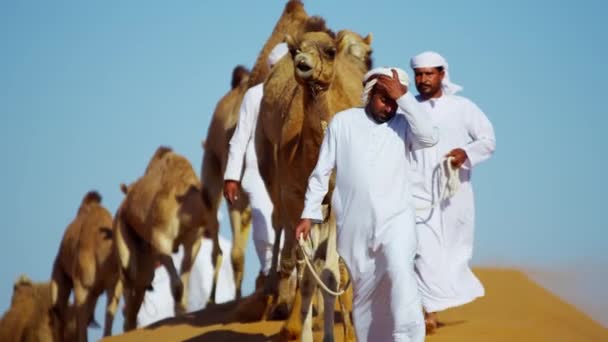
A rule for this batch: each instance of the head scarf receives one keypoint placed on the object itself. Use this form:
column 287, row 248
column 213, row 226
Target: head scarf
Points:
column 276, row 54
column 369, row 81
column 430, row 59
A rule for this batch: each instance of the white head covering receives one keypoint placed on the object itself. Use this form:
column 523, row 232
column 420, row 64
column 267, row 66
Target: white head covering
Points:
column 277, row 53
column 368, row 84
column 430, row 59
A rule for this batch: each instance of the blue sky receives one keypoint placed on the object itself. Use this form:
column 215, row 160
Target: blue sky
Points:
column 88, row 91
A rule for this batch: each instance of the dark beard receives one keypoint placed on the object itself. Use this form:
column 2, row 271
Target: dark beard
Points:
column 376, row 118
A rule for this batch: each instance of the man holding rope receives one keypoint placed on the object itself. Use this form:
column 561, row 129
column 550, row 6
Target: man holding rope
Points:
column 445, row 224
column 376, row 228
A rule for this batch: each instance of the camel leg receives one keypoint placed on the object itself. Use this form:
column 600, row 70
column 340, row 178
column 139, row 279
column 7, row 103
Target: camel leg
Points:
column 133, row 300
column 331, row 277
column 287, row 264
column 124, row 246
column 61, row 286
column 113, row 293
column 177, row 287
column 217, row 259
column 240, row 237
column 191, row 250
column 346, row 305
column 271, row 282
column 85, row 305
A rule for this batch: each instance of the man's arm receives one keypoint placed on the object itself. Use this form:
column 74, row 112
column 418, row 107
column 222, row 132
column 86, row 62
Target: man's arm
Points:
column 318, row 182
column 238, row 144
column 420, row 123
column 481, row 131
column 421, row 126
column 241, row 137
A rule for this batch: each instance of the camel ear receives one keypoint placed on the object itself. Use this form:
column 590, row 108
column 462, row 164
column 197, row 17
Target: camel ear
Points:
column 368, row 39
column 291, row 42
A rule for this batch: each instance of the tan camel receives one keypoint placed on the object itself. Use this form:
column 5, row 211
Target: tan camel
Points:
column 161, row 211
column 222, row 126
column 323, row 77
column 31, row 318
column 86, row 263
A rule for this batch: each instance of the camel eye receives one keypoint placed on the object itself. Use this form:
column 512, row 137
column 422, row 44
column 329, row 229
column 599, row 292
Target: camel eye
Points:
column 330, row 52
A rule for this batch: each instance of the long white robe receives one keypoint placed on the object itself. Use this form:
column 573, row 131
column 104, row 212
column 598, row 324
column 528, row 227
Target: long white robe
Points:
column 375, row 215
column 445, row 233
column 242, row 147
column 158, row 304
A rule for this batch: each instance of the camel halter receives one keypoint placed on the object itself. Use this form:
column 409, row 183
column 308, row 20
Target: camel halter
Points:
column 448, row 175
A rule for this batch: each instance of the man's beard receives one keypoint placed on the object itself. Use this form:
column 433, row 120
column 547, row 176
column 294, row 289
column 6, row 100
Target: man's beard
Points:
column 378, row 119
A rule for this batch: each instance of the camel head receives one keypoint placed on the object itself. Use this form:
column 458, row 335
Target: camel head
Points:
column 353, row 45
column 313, row 55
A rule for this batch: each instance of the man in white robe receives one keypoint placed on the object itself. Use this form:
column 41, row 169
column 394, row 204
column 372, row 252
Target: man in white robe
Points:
column 242, row 148
column 376, row 237
column 158, row 302
column 445, row 230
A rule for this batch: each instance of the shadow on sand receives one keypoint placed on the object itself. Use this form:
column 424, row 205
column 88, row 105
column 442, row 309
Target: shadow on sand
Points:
column 245, row 310
column 231, row 336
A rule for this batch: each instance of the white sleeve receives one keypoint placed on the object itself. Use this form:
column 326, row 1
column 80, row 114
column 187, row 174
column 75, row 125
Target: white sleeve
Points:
column 421, row 126
column 318, row 182
column 481, row 131
column 241, row 137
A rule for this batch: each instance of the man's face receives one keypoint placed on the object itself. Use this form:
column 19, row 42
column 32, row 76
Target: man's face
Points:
column 428, row 81
column 381, row 106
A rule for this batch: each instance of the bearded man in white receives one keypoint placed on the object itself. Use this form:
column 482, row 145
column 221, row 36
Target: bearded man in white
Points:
column 242, row 149
column 366, row 147
column 445, row 228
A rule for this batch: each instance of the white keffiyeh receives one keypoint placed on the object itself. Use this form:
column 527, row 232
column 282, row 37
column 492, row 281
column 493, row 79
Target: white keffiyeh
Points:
column 430, row 59
column 369, row 82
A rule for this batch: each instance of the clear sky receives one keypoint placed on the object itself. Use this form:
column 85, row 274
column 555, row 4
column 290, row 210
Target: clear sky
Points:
column 88, row 91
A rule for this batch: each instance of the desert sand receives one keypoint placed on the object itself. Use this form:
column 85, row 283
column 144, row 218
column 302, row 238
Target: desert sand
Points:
column 514, row 309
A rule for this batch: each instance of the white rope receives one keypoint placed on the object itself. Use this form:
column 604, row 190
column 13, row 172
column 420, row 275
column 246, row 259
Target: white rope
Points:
column 324, row 287
column 451, row 183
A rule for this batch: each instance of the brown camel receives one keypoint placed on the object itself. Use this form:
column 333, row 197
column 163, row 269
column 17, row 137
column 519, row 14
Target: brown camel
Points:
column 31, row 317
column 223, row 123
column 161, row 211
column 301, row 95
column 86, row 262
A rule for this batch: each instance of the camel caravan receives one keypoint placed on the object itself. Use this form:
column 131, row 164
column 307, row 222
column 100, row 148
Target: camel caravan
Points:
column 169, row 207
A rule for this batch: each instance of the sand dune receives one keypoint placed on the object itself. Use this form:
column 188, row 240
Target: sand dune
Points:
column 514, row 309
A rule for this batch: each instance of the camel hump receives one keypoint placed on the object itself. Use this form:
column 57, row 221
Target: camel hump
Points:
column 91, row 197
column 240, row 74
column 317, row 24
column 293, row 6
column 161, row 151
column 23, row 280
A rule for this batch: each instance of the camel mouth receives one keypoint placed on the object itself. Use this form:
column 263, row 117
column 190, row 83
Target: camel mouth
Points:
column 304, row 70
column 303, row 67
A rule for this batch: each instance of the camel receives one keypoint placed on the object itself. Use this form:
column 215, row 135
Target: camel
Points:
column 162, row 210
column 223, row 123
column 86, row 263
column 31, row 318
column 301, row 95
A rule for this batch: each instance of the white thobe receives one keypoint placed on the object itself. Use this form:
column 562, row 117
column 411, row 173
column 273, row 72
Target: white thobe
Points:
column 375, row 215
column 445, row 233
column 159, row 304
column 242, row 147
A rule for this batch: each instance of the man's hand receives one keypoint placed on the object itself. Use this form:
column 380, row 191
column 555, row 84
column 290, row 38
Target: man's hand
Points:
column 231, row 190
column 303, row 229
column 460, row 156
column 392, row 86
